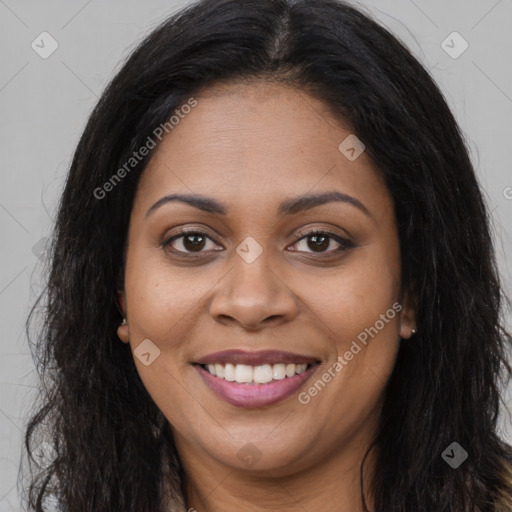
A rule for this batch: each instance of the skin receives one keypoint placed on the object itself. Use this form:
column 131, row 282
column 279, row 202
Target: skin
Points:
column 251, row 146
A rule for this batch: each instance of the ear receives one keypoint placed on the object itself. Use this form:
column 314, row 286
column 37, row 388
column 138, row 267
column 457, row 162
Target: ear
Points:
column 123, row 331
column 408, row 313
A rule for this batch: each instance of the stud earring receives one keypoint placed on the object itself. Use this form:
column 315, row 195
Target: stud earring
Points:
column 123, row 322
column 413, row 331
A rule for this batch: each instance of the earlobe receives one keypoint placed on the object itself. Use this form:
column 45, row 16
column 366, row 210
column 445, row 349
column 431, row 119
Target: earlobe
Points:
column 408, row 325
column 123, row 333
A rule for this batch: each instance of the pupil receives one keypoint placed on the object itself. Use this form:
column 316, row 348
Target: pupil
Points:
column 319, row 242
column 194, row 245
column 322, row 244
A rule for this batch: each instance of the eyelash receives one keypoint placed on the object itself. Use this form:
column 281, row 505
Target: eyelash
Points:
column 345, row 244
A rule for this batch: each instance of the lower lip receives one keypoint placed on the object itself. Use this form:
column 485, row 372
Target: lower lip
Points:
column 254, row 395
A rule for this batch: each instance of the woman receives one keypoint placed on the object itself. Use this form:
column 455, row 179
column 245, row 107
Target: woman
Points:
column 272, row 283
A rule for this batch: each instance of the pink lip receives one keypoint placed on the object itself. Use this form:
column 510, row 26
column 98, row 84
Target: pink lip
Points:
column 254, row 395
column 255, row 358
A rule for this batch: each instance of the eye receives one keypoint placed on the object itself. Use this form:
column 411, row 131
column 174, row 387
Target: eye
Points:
column 188, row 241
column 194, row 241
column 320, row 240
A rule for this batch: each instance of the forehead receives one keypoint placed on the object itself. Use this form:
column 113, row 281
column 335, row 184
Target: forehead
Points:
column 259, row 141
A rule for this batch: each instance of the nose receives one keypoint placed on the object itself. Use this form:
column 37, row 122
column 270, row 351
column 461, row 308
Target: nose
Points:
column 254, row 296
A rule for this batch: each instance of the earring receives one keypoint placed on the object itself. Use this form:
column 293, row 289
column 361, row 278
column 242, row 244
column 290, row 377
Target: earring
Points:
column 123, row 322
column 413, row 331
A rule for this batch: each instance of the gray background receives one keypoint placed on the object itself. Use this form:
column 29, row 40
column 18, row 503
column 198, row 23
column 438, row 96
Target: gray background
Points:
column 45, row 104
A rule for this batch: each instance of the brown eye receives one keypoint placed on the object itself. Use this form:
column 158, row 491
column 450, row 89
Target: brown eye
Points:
column 194, row 242
column 188, row 242
column 320, row 241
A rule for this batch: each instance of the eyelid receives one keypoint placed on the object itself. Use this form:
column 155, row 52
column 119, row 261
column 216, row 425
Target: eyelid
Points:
column 181, row 231
column 344, row 242
column 324, row 231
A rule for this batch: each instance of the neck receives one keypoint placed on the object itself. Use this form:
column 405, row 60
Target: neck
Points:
column 334, row 484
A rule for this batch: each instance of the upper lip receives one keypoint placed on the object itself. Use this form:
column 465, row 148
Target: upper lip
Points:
column 253, row 358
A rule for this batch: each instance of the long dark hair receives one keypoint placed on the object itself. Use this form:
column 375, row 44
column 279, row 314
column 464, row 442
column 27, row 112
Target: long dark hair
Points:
column 107, row 436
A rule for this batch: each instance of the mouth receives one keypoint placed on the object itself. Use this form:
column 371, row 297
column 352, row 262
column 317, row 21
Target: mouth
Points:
column 255, row 379
column 253, row 375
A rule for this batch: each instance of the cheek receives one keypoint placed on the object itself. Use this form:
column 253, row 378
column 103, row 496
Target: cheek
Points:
column 355, row 295
column 160, row 309
column 360, row 315
column 359, row 311
column 161, row 297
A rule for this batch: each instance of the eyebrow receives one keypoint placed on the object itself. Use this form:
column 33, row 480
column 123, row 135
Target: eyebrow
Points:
column 288, row 207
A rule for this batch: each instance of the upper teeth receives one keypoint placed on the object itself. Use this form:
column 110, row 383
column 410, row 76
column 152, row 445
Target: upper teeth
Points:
column 244, row 373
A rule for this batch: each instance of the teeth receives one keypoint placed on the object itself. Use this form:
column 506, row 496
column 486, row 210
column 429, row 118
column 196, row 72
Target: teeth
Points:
column 300, row 368
column 229, row 372
column 243, row 373
column 279, row 371
column 246, row 374
column 219, row 370
column 290, row 370
column 263, row 374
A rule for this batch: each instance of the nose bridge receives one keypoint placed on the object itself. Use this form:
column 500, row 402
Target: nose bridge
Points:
column 252, row 291
column 253, row 274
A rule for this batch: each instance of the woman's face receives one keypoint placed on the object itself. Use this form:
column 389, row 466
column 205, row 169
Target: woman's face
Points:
column 249, row 277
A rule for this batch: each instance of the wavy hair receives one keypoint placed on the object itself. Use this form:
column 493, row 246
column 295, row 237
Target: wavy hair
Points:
column 112, row 448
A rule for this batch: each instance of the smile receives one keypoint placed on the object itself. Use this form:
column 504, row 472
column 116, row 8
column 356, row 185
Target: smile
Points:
column 256, row 386
column 246, row 374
